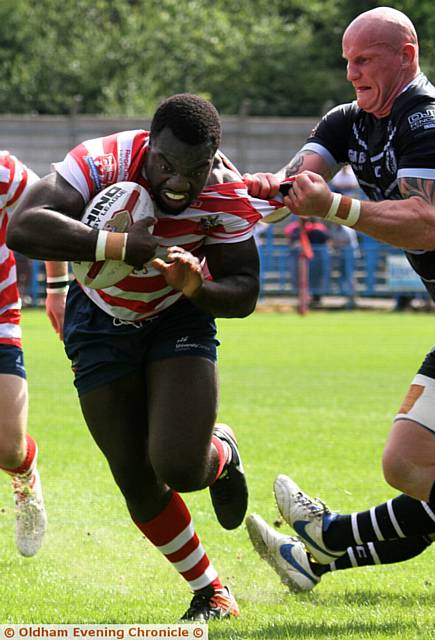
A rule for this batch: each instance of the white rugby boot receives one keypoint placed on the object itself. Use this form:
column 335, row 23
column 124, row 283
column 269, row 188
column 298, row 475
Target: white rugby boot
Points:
column 306, row 516
column 285, row 554
column 31, row 517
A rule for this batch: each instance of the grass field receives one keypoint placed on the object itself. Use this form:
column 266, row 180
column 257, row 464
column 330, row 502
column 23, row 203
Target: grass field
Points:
column 312, row 397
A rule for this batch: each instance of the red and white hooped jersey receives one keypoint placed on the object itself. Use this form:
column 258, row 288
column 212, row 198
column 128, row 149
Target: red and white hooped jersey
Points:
column 223, row 213
column 14, row 179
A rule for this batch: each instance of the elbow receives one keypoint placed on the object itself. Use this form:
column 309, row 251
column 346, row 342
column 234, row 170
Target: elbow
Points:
column 14, row 239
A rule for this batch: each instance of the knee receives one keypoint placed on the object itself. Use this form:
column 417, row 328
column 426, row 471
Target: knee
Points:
column 183, row 475
column 397, row 471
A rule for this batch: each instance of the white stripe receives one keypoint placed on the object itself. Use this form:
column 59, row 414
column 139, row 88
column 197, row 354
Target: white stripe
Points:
column 11, row 279
column 321, row 151
column 375, row 524
column 355, row 530
column 351, row 555
column 9, row 330
column 4, row 253
column 428, row 510
column 332, row 565
column 204, row 580
column 428, row 174
column 191, row 560
column 8, row 307
column 4, row 174
column 177, row 542
column 394, row 520
column 125, row 145
column 374, row 555
column 71, row 172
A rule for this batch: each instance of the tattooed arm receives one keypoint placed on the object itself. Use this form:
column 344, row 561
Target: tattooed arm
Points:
column 407, row 223
column 306, row 160
column 266, row 185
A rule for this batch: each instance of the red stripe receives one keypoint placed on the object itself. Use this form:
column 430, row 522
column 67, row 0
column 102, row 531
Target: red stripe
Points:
column 168, row 524
column 14, row 341
column 9, row 296
column 133, row 305
column 185, row 550
column 198, row 570
column 21, row 187
column 79, row 153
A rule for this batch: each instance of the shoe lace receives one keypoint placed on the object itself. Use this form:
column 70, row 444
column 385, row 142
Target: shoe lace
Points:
column 206, row 604
column 316, row 507
column 200, row 604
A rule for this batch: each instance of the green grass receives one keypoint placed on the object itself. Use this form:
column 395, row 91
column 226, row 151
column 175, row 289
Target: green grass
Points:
column 312, row 397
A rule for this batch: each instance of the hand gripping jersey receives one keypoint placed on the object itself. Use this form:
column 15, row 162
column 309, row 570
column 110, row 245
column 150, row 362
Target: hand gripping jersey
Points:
column 14, row 179
column 223, row 213
column 381, row 151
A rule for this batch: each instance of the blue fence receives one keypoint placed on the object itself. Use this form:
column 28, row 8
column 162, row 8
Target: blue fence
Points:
column 374, row 269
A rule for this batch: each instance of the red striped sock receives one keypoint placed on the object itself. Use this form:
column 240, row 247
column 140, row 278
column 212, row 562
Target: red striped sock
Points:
column 29, row 462
column 173, row 534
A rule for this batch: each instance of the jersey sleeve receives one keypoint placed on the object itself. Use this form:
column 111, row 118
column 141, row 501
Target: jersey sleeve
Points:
column 236, row 212
column 330, row 135
column 416, row 143
column 15, row 179
column 95, row 164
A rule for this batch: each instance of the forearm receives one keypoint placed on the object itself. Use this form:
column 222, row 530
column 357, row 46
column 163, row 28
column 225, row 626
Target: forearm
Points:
column 408, row 224
column 43, row 234
column 56, row 269
column 231, row 297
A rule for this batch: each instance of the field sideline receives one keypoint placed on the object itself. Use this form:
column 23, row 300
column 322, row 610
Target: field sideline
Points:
column 312, row 397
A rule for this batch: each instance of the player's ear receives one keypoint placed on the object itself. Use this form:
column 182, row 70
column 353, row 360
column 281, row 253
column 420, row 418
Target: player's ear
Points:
column 409, row 54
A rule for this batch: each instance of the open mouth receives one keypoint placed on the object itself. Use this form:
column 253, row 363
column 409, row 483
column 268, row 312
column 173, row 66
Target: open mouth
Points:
column 173, row 200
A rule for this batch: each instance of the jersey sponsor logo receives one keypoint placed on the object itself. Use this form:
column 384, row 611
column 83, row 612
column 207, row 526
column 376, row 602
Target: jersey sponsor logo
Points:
column 102, row 204
column 422, row 119
column 103, row 169
column 357, row 157
column 124, row 164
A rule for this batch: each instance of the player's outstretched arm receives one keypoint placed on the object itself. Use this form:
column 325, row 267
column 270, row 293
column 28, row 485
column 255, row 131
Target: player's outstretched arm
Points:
column 266, row 185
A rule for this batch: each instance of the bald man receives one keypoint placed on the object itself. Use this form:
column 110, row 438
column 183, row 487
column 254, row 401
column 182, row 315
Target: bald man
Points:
column 387, row 135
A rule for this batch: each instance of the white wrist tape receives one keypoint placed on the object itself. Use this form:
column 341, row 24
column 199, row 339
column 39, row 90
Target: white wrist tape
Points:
column 344, row 210
column 124, row 247
column 62, row 290
column 100, row 247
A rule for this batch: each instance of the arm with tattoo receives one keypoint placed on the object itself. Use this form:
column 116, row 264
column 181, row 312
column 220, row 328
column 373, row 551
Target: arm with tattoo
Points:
column 408, row 223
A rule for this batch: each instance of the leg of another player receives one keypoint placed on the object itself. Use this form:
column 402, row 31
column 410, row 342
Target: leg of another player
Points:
column 117, row 416
column 409, row 459
column 18, row 453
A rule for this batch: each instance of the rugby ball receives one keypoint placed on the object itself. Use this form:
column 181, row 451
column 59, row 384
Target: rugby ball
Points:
column 114, row 208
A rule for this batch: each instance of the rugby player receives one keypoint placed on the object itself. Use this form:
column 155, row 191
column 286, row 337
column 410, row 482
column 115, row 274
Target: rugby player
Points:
column 387, row 135
column 18, row 450
column 144, row 351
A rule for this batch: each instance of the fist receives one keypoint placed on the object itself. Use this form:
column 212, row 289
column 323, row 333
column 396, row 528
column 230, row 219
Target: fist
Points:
column 141, row 244
column 262, row 185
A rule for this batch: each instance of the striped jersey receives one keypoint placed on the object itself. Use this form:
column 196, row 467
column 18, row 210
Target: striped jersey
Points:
column 14, row 179
column 223, row 213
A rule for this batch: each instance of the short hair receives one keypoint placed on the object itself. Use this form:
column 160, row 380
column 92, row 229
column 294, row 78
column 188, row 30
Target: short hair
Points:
column 191, row 119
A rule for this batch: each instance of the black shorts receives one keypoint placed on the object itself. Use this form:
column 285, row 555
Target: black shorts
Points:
column 102, row 348
column 12, row 360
